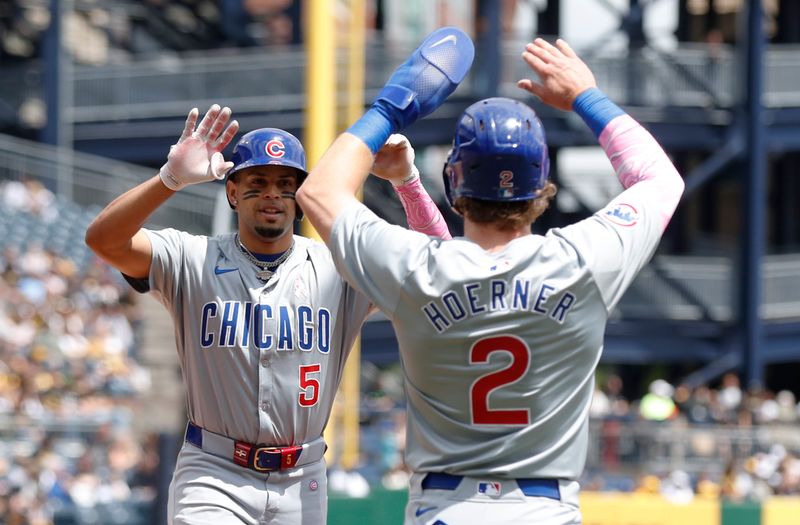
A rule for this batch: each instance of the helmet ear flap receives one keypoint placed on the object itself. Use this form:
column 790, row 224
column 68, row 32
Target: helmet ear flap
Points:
column 544, row 171
column 447, row 174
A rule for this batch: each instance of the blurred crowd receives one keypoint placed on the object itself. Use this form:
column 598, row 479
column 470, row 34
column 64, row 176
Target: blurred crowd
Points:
column 112, row 32
column 97, row 32
column 728, row 404
column 725, row 441
column 69, row 382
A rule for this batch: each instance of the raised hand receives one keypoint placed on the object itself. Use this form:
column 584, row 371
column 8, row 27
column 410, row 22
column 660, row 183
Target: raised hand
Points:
column 563, row 74
column 197, row 156
column 395, row 161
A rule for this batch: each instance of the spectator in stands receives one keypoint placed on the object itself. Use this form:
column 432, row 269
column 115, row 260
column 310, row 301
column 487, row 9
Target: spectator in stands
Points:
column 29, row 196
column 271, row 22
column 144, row 475
column 730, row 395
column 706, row 487
column 787, row 406
column 657, row 404
column 677, row 488
column 789, row 476
column 648, row 484
column 40, row 201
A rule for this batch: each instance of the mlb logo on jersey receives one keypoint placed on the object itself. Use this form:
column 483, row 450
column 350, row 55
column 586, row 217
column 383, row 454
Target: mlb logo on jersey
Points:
column 504, row 265
column 490, row 488
column 275, row 148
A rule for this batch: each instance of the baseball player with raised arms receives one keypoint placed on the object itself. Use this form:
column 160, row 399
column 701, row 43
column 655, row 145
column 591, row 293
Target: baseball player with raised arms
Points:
column 500, row 331
column 263, row 322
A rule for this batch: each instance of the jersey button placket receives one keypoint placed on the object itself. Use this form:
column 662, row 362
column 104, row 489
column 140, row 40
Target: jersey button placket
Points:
column 264, row 376
column 264, row 406
column 264, row 381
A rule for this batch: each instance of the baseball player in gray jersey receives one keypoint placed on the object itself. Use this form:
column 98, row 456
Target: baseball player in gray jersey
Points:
column 263, row 324
column 499, row 331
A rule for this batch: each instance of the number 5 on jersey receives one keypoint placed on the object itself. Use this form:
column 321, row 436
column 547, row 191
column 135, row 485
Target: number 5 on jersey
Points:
column 481, row 414
column 309, row 386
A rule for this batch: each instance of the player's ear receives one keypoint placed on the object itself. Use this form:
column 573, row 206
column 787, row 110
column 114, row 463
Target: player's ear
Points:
column 232, row 193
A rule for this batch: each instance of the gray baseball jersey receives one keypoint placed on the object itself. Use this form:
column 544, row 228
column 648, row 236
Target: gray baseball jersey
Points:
column 261, row 362
column 499, row 349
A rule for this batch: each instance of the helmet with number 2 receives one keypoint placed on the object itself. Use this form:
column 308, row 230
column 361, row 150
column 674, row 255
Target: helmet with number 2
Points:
column 499, row 153
column 270, row 147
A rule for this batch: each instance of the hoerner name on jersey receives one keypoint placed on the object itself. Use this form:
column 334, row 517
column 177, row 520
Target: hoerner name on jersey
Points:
column 267, row 327
column 520, row 295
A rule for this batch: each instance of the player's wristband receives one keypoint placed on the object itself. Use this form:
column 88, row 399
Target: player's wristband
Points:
column 373, row 128
column 413, row 176
column 596, row 109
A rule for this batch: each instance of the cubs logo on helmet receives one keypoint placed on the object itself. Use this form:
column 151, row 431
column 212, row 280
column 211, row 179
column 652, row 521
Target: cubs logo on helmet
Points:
column 270, row 147
column 275, row 149
column 499, row 153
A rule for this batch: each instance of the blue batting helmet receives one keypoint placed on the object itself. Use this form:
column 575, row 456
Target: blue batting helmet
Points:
column 499, row 153
column 270, row 147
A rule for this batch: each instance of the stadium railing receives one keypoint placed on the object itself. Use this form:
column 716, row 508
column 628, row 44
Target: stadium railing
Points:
column 93, row 182
column 649, row 447
column 704, row 288
column 274, row 80
column 250, row 79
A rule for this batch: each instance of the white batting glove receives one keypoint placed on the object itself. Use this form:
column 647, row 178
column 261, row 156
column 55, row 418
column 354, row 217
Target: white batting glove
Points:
column 395, row 161
column 197, row 157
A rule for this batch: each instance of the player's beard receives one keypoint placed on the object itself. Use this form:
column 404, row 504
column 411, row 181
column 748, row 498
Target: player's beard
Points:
column 270, row 233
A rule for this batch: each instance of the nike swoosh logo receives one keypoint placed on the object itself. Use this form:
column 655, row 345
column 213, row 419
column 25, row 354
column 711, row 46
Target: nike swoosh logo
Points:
column 220, row 271
column 448, row 38
column 423, row 510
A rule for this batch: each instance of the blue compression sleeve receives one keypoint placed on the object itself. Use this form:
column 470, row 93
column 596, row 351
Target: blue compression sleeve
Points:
column 373, row 128
column 596, row 109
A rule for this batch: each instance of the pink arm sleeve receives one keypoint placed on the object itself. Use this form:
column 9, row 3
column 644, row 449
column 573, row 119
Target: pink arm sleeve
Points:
column 421, row 213
column 637, row 157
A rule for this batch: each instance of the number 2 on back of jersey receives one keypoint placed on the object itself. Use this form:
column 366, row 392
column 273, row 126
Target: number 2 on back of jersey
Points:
column 481, row 414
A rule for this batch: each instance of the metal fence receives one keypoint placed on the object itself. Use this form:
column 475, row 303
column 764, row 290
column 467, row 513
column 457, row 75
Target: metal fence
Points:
column 248, row 79
column 274, row 80
column 641, row 447
column 705, row 288
column 690, row 75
